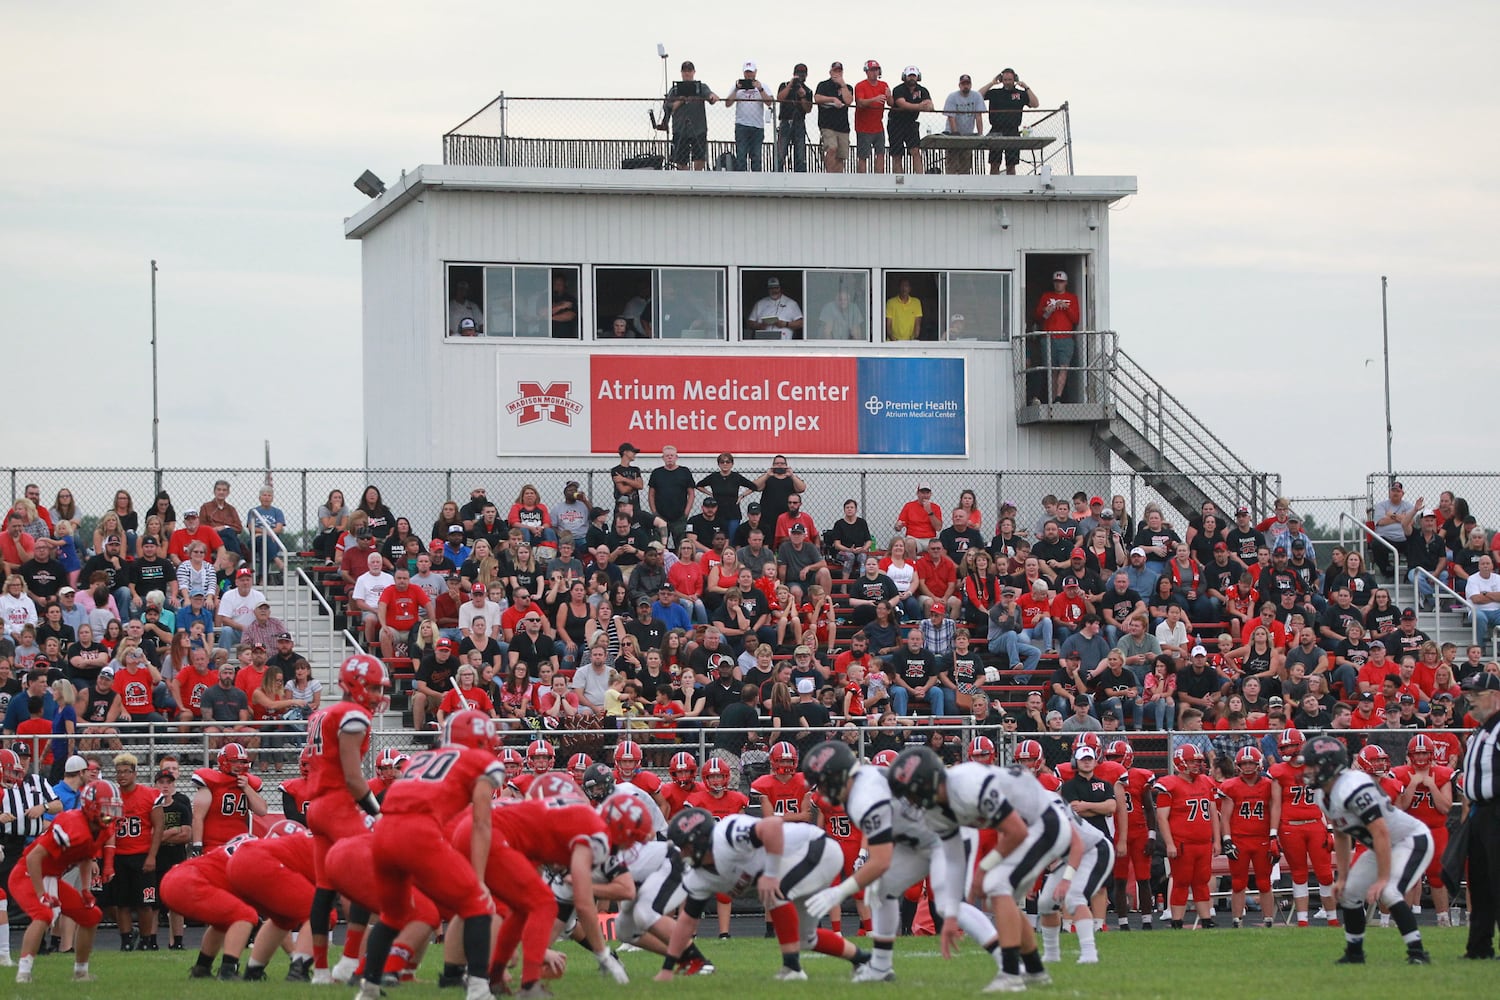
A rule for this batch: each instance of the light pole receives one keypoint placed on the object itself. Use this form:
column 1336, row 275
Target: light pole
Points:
column 155, row 411
column 1385, row 335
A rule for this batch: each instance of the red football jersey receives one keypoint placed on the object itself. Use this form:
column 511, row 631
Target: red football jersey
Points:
column 440, row 783
column 228, row 813
column 298, row 792
column 545, row 830
column 1422, row 806
column 1048, row 780
column 133, row 828
column 728, row 804
column 327, row 773
column 67, row 842
column 1391, row 785
column 1105, row 770
column 1296, row 798
column 522, row 782
column 1192, row 804
column 295, row 853
column 1250, row 814
column 1138, row 782
column 647, row 781
column 837, row 825
column 676, row 796
column 785, row 796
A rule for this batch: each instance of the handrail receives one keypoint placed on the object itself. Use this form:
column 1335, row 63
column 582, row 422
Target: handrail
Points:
column 1440, row 588
column 262, row 566
column 1370, row 532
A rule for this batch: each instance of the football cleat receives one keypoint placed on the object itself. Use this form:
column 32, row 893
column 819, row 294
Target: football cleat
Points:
column 865, row 974
column 786, row 975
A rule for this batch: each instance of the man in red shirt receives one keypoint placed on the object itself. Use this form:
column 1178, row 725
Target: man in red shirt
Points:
column 399, row 611
column 939, row 579
column 190, row 532
column 1366, row 714
column 920, row 518
column 1058, row 312
column 133, row 889
column 871, row 98
column 1245, row 819
column 793, row 515
column 1189, row 827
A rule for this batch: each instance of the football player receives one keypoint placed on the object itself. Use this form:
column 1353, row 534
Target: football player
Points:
column 388, row 767
column 514, row 763
column 275, row 875
column 577, row 764
column 36, row 882
column 347, row 868
column 132, row 892
column 224, row 796
column 435, row 787
column 1140, row 834
column 199, row 890
column 1427, row 794
column 719, row 800
column 341, row 801
column 783, row 792
column 980, row 750
column 540, row 757
column 599, row 784
column 1374, row 761
column 1029, row 755
column 1245, row 828
column 836, row 823
column 297, row 792
column 1399, row 847
column 627, row 758
column 1033, row 829
column 1189, row 832
column 683, row 770
column 786, row 863
column 1299, row 831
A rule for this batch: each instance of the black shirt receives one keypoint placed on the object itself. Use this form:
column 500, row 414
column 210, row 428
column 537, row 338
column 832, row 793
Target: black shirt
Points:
column 629, row 472
column 1090, row 789
column 533, row 652
column 719, row 696
column 914, row 668
column 1191, row 682
column 882, row 588
column 736, row 716
column 691, row 117
column 832, row 118
column 672, row 487
column 1145, row 538
column 854, row 536
column 791, row 107
column 99, row 562
column 900, row 119
column 147, row 575
column 176, row 811
column 957, row 543
column 726, row 490
column 1339, row 619
column 1005, row 109
column 773, row 500
column 1244, row 544
column 437, row 675
column 1419, row 551
column 1119, row 606
column 703, row 526
column 648, row 635
column 1221, row 578
column 564, row 329
column 1049, row 552
column 966, row 668
column 44, row 579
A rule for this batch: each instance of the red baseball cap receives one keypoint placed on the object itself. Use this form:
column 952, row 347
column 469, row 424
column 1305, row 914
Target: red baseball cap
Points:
column 1096, row 501
column 1079, row 554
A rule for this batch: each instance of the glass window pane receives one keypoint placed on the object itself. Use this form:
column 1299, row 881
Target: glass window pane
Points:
column 533, row 302
column 983, row 300
column 566, row 318
column 499, row 294
column 466, row 298
column 692, row 304
column 838, row 304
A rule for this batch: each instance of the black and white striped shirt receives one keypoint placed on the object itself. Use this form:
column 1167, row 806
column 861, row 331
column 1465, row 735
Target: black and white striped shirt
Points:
column 1482, row 764
column 17, row 799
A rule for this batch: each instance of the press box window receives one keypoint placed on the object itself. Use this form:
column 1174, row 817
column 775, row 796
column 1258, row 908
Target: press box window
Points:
column 663, row 303
column 513, row 300
column 953, row 306
column 831, row 305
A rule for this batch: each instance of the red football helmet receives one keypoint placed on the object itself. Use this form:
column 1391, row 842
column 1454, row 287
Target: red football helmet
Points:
column 512, row 761
column 1029, row 755
column 1373, row 760
column 1289, row 742
column 1090, row 740
column 364, row 680
column 391, row 760
column 100, row 801
column 577, row 764
column 1419, row 751
column 1440, row 752
column 683, row 769
column 627, row 758
column 783, row 758
column 11, row 768
column 625, row 820
column 555, row 785
column 1248, row 761
column 716, row 774
column 540, row 756
column 304, row 760
column 884, row 758
column 981, row 750
column 233, row 759
column 1188, row 759
column 1121, row 752
column 468, row 728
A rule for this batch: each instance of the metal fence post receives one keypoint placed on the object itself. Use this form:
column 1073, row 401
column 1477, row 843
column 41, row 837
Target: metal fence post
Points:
column 448, row 483
column 307, row 535
column 1135, row 510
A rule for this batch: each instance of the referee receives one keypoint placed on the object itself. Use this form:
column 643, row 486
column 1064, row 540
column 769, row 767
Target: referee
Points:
column 1482, row 787
column 27, row 805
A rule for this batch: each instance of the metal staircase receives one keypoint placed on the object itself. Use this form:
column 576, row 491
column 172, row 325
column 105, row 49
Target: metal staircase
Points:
column 1139, row 420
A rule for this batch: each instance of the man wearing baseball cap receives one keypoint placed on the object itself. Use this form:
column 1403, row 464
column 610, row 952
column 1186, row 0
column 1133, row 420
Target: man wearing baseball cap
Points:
column 962, row 109
column 1057, row 310
column 920, row 518
column 794, row 100
column 749, row 98
column 871, row 97
column 834, row 98
column 908, row 99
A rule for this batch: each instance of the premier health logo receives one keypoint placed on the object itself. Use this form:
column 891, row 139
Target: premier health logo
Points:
column 554, row 402
column 919, row 409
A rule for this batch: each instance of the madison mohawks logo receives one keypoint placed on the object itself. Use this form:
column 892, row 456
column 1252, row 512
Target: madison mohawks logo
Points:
column 553, row 401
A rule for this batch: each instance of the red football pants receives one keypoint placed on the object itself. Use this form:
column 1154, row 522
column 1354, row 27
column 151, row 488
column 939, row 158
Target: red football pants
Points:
column 410, row 851
column 1439, row 845
column 332, row 818
column 1134, row 862
column 69, row 898
column 187, row 891
column 1190, row 871
column 351, row 872
column 513, row 879
column 1306, row 846
column 1254, row 852
column 283, row 895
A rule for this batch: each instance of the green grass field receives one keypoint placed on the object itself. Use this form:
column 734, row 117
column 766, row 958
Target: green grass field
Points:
column 1280, row 964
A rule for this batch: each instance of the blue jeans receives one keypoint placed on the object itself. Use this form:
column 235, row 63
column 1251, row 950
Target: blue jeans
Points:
column 231, row 540
column 794, row 134
column 1486, row 620
column 1020, row 655
column 123, row 603
column 1128, row 709
column 939, row 700
column 1424, row 583
column 1160, row 713
column 1042, row 633
column 748, row 140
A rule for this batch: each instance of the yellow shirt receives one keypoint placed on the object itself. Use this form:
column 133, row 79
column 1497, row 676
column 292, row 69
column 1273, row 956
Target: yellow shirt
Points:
column 903, row 316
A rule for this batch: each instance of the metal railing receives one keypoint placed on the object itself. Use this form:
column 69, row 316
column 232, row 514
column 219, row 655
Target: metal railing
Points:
column 1440, row 589
column 593, row 133
column 1364, row 533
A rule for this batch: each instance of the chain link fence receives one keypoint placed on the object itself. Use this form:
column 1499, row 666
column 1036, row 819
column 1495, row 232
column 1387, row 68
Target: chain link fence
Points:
column 418, row 494
column 633, row 133
column 1480, row 492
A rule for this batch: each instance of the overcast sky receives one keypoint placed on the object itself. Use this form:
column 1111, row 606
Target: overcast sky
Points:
column 1288, row 154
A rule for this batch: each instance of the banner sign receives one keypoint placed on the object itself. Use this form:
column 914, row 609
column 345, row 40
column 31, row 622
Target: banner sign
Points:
column 751, row 404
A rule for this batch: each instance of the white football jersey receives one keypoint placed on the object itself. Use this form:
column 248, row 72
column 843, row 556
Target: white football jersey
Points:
column 869, row 805
column 738, row 857
column 975, row 799
column 1354, row 802
column 1025, row 794
column 658, row 821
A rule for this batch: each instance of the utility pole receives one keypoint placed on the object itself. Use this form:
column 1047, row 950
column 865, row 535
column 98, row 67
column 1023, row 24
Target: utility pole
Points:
column 155, row 405
column 1385, row 334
